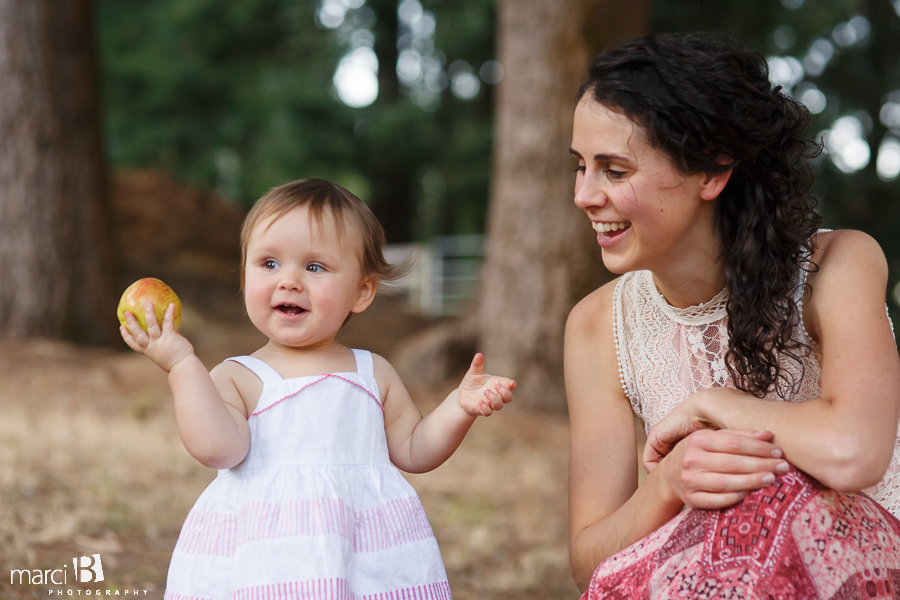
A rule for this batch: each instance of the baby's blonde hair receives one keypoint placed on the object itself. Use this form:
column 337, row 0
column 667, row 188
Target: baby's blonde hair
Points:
column 320, row 196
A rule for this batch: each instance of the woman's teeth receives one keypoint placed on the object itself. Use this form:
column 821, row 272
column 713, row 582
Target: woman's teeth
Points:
column 607, row 227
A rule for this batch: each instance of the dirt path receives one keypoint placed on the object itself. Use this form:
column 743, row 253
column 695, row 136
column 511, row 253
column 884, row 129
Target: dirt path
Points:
column 90, row 462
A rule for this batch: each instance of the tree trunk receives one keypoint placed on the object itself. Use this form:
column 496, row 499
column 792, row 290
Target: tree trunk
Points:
column 387, row 160
column 56, row 276
column 542, row 255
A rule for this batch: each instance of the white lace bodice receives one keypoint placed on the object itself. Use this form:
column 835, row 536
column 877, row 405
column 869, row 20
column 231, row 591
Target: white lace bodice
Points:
column 665, row 354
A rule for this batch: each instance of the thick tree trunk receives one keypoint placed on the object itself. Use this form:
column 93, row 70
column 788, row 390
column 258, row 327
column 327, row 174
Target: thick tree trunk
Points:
column 55, row 265
column 542, row 255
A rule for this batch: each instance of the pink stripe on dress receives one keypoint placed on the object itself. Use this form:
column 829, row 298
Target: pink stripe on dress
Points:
column 325, row 589
column 392, row 523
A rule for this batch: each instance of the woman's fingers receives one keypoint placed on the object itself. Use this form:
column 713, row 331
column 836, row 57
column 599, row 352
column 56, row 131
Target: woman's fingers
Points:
column 740, row 464
column 721, row 483
column 711, row 468
column 668, row 432
column 734, row 442
column 726, row 442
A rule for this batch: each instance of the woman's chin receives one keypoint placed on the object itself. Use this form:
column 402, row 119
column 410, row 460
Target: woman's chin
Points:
column 614, row 264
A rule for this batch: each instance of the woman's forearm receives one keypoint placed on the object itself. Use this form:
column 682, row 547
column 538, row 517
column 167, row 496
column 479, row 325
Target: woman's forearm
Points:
column 649, row 508
column 845, row 450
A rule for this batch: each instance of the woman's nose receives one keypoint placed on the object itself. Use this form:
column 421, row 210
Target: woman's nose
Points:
column 588, row 193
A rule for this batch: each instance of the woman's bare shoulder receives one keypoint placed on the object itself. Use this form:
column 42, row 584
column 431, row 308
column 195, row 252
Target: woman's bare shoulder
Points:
column 846, row 247
column 849, row 275
column 591, row 365
column 594, row 312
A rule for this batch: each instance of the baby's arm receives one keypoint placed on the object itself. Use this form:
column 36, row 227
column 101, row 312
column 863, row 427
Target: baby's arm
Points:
column 210, row 413
column 418, row 444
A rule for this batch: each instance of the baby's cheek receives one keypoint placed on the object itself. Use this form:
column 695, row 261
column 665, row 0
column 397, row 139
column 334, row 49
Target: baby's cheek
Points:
column 257, row 307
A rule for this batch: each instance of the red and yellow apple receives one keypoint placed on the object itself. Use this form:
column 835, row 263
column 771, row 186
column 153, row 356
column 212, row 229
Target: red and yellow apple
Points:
column 155, row 291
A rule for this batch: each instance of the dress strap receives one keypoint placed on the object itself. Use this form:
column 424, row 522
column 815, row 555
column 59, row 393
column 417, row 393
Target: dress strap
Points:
column 261, row 369
column 364, row 363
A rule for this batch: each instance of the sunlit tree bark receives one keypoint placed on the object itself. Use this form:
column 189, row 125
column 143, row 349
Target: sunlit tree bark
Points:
column 541, row 253
column 56, row 278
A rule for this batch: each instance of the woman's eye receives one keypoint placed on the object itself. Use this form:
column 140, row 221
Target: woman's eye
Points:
column 613, row 174
column 579, row 169
column 269, row 264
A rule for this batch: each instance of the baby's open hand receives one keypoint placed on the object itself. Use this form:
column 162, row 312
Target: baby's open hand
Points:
column 481, row 393
column 164, row 346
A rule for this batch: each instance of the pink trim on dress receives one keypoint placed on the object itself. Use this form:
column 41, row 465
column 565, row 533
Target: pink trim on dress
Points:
column 322, row 378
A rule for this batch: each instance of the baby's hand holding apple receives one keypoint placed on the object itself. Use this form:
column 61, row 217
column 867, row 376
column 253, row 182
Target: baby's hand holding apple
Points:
column 163, row 345
column 141, row 307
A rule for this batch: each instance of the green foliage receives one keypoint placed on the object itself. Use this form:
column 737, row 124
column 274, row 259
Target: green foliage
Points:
column 856, row 82
column 234, row 95
column 238, row 95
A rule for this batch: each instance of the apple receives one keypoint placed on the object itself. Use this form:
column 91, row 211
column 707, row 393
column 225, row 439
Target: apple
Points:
column 155, row 291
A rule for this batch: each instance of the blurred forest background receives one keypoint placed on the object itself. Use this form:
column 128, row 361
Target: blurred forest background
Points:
column 450, row 118
column 243, row 95
column 135, row 133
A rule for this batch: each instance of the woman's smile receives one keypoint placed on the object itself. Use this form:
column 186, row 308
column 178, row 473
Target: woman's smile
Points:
column 609, row 234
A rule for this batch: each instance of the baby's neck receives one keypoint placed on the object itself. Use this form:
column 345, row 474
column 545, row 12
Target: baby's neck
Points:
column 307, row 360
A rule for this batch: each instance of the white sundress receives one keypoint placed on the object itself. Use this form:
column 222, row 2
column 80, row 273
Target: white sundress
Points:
column 315, row 510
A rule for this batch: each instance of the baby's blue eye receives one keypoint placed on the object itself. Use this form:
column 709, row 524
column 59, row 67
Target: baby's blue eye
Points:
column 314, row 268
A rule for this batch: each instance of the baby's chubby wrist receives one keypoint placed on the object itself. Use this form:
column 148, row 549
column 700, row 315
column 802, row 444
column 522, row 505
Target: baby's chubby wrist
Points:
column 456, row 397
column 184, row 361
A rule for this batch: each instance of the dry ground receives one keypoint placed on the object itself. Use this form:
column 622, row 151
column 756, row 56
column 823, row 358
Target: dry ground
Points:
column 90, row 462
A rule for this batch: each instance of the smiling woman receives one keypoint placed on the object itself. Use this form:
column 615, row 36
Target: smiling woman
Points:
column 769, row 402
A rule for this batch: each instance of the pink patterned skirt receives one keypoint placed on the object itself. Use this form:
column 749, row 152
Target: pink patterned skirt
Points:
column 793, row 539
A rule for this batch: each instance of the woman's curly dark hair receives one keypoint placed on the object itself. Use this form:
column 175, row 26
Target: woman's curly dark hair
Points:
column 701, row 98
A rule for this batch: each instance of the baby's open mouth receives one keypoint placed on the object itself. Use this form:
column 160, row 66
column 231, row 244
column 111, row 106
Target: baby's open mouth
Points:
column 290, row 309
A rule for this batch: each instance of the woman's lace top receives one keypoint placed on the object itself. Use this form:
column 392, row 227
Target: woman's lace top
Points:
column 665, row 354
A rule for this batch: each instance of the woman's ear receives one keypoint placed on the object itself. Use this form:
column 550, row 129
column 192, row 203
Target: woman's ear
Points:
column 713, row 183
column 366, row 293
